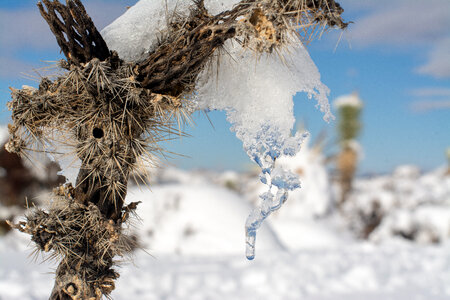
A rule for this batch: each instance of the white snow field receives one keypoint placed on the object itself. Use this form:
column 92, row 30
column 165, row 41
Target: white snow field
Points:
column 336, row 269
column 192, row 230
column 351, row 272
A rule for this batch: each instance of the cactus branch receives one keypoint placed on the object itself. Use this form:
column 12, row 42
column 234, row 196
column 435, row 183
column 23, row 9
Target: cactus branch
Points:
column 113, row 114
column 74, row 30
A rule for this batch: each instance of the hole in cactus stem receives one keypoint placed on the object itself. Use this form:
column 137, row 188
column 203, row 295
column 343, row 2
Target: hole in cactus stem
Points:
column 71, row 289
column 98, row 133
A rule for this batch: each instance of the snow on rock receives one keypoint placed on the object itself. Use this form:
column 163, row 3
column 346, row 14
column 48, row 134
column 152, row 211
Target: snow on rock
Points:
column 194, row 219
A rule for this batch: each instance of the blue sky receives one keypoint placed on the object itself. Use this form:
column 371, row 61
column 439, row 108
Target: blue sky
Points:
column 396, row 54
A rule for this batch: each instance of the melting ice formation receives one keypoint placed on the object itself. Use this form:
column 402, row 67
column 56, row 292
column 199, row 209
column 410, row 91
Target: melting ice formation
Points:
column 268, row 147
column 256, row 91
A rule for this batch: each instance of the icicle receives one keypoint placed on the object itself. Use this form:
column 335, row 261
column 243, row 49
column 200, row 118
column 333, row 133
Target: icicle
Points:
column 278, row 180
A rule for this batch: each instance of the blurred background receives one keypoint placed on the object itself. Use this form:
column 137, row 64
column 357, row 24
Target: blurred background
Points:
column 372, row 217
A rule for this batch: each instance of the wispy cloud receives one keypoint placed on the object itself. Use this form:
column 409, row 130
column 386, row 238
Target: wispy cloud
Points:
column 425, row 106
column 430, row 98
column 438, row 64
column 405, row 23
column 431, row 92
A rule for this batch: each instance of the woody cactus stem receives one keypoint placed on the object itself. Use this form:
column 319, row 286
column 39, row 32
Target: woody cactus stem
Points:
column 113, row 114
column 76, row 34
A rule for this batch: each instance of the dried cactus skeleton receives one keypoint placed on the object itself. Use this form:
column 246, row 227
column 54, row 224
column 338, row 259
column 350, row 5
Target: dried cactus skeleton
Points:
column 113, row 113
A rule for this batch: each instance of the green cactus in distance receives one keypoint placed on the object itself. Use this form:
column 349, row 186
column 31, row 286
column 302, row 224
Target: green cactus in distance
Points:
column 349, row 127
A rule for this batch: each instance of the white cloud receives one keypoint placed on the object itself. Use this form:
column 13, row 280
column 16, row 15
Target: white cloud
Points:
column 431, row 92
column 431, row 98
column 403, row 23
column 407, row 24
column 424, row 106
column 438, row 64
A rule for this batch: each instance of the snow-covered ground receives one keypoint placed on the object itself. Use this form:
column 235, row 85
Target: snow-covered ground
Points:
column 192, row 229
column 357, row 271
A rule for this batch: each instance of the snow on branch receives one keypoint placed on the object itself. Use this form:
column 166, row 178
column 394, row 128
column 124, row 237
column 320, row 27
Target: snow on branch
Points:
column 112, row 108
